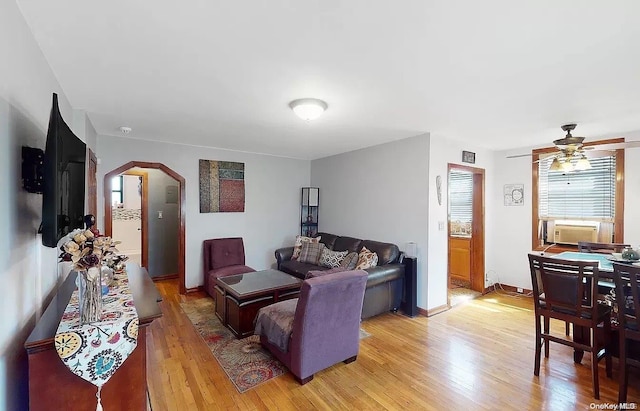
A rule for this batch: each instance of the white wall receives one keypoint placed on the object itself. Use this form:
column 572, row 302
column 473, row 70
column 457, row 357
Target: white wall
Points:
column 445, row 150
column 378, row 193
column 28, row 271
column 511, row 233
column 131, row 192
column 272, row 197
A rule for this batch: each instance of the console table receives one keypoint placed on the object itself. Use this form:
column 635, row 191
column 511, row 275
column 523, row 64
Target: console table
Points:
column 53, row 386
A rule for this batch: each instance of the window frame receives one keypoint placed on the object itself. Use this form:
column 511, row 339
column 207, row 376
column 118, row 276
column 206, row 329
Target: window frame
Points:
column 618, row 230
column 121, row 191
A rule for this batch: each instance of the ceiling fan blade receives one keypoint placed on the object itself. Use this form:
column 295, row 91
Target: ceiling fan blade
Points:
column 542, row 156
column 520, row 155
column 613, row 146
column 597, row 153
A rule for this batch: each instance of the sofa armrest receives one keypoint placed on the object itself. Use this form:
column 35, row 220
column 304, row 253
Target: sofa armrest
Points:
column 283, row 254
column 384, row 273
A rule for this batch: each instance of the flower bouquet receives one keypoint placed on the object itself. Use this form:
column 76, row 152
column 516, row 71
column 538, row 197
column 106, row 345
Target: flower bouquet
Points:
column 87, row 253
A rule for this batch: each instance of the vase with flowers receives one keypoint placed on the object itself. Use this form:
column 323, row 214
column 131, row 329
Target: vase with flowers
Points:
column 87, row 253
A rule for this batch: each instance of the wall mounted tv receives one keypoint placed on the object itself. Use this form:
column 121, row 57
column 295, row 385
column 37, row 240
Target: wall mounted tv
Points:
column 63, row 182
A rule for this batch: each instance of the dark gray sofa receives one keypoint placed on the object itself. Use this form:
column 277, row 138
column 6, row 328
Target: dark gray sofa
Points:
column 384, row 282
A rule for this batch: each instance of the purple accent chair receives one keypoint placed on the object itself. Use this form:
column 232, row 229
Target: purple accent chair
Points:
column 321, row 329
column 222, row 257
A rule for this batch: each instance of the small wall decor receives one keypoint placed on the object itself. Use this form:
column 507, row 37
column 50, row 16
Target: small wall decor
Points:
column 221, row 186
column 468, row 157
column 439, row 189
column 513, row 194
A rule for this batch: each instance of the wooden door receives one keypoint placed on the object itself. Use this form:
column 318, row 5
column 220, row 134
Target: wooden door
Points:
column 466, row 238
column 460, row 260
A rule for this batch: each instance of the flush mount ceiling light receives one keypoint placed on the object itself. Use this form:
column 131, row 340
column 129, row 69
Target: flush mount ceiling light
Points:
column 308, row 108
column 125, row 130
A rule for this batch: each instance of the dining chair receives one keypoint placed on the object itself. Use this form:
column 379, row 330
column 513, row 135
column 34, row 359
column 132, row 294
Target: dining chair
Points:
column 598, row 248
column 601, row 248
column 566, row 290
column 627, row 278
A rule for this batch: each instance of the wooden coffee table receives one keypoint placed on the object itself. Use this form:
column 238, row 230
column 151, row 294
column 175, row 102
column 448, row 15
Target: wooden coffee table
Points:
column 239, row 297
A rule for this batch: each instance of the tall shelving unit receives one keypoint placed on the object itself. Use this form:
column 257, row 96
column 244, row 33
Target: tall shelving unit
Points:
column 309, row 203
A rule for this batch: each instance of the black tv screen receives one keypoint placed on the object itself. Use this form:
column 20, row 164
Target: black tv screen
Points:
column 63, row 181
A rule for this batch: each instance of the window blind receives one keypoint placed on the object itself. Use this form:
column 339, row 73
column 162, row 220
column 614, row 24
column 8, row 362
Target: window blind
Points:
column 460, row 196
column 588, row 194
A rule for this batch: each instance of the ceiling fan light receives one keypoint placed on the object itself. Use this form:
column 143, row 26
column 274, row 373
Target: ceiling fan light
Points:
column 583, row 164
column 555, row 165
column 566, row 166
column 308, row 108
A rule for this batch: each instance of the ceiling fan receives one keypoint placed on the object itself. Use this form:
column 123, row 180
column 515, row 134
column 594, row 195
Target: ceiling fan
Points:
column 572, row 154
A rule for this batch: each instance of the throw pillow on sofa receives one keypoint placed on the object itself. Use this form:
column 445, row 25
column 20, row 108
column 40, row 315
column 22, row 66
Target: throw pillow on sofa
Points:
column 310, row 252
column 366, row 259
column 350, row 261
column 297, row 247
column 332, row 259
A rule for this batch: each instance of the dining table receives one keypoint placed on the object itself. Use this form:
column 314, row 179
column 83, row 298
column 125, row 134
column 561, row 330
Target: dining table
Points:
column 605, row 285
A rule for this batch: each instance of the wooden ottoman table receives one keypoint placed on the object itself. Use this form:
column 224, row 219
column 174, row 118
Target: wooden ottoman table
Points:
column 239, row 297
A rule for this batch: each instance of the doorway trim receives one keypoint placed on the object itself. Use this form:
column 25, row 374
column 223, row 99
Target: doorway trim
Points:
column 477, row 228
column 144, row 208
column 108, row 224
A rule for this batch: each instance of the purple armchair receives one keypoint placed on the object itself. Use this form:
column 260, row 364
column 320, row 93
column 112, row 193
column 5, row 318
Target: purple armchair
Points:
column 318, row 329
column 222, row 257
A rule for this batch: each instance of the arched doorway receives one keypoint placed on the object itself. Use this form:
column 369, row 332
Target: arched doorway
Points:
column 108, row 210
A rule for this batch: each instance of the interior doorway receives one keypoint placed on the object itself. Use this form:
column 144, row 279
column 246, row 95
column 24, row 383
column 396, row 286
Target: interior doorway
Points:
column 129, row 214
column 166, row 197
column 465, row 233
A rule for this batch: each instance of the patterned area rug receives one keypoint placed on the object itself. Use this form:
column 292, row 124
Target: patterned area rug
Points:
column 245, row 361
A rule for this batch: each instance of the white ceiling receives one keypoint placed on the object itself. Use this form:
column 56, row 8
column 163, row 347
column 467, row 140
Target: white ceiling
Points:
column 498, row 73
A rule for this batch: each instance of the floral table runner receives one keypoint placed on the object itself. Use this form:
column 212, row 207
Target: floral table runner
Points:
column 95, row 351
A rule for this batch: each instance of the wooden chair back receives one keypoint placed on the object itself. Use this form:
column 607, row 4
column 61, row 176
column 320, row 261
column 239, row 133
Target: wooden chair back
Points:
column 627, row 278
column 566, row 289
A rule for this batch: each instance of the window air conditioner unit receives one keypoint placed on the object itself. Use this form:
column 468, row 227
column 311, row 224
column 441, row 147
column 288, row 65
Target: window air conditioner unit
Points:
column 571, row 234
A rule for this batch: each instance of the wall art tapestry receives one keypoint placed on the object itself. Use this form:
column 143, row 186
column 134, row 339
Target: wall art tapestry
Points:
column 221, row 186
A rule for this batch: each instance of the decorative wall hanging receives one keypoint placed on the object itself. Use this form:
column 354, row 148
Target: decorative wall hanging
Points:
column 513, row 194
column 221, row 186
column 439, row 189
column 468, row 157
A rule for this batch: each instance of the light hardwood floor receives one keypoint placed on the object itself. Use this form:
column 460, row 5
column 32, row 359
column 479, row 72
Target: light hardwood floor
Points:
column 477, row 356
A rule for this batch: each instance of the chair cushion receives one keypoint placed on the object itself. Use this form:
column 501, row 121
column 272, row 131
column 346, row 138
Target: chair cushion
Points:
column 332, row 259
column 230, row 270
column 347, row 243
column 366, row 259
column 328, row 239
column 275, row 322
column 297, row 247
column 350, row 261
column 310, row 253
column 225, row 252
column 387, row 253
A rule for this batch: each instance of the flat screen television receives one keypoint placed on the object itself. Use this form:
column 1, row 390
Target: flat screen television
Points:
column 63, row 181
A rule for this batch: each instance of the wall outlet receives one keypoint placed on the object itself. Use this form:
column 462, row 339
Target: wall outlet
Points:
column 520, row 290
